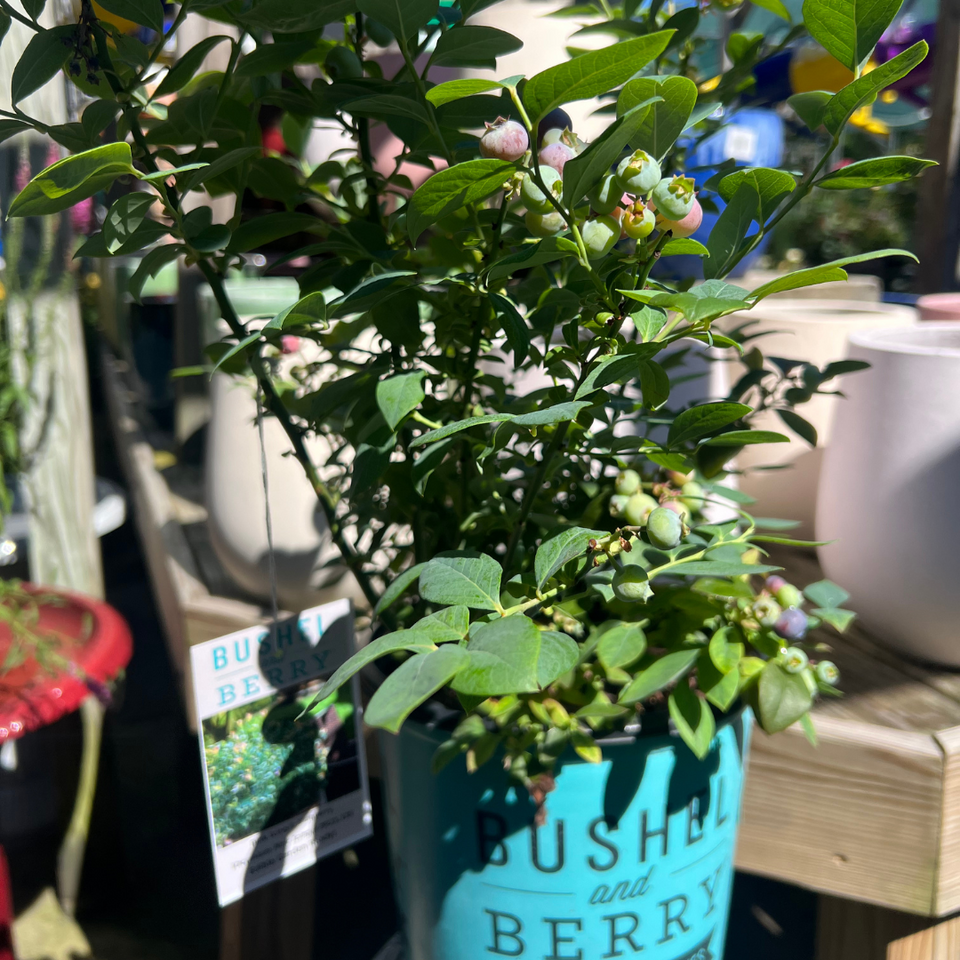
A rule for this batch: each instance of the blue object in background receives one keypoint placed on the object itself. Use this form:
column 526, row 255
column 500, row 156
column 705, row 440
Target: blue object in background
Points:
column 634, row 853
column 752, row 136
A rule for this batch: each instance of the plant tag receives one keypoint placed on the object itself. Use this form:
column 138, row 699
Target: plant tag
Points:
column 283, row 790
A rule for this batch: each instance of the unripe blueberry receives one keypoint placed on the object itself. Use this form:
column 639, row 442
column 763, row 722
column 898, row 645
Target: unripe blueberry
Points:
column 692, row 495
column 504, row 140
column 628, row 482
column 789, row 596
column 606, row 195
column 639, row 173
column 544, row 224
column 553, row 125
column 774, row 583
column 686, row 227
column 638, row 224
column 556, row 155
column 618, row 504
column 664, row 528
column 794, row 660
column 599, row 236
column 679, row 507
column 638, row 509
column 533, row 197
column 630, row 584
column 791, row 624
column 289, row 343
column 674, row 197
column 766, row 611
column 342, row 63
column 828, row 673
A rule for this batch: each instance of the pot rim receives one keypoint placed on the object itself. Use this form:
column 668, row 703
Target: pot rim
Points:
column 799, row 310
column 910, row 340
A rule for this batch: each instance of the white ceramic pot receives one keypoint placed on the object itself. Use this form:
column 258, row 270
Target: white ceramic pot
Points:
column 234, row 482
column 815, row 331
column 888, row 489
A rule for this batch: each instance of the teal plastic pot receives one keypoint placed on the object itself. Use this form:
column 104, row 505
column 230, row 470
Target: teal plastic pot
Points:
column 633, row 857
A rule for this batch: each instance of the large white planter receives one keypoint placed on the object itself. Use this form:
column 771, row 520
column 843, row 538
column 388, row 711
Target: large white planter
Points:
column 815, row 331
column 234, row 482
column 889, row 489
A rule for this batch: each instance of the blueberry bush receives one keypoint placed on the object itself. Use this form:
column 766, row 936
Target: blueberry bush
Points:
column 542, row 531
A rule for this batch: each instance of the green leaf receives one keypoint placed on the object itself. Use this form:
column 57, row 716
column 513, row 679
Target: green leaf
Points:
column 873, row 173
column 504, row 658
column 654, row 384
column 799, row 426
column 72, row 179
column 33, row 8
column 5, row 21
column 453, row 188
column 272, row 226
column 455, row 620
column 666, row 120
column 708, row 300
column 723, row 588
column 458, row 89
column 148, row 13
column 514, row 326
column 546, row 251
column 591, row 74
column 771, row 186
column 413, row 682
column 398, row 587
column 558, row 654
column 207, row 171
column 783, row 698
column 718, row 568
column 821, row 274
column 663, row 671
column 704, row 419
column 124, row 217
column 621, row 645
column 10, row 128
column 308, row 310
column 684, row 245
column 811, row 106
column 274, row 58
column 825, row 593
column 403, row 18
column 720, row 689
column 849, row 29
column 582, row 173
column 726, row 648
column 294, row 16
column 739, row 438
column 41, row 60
column 731, row 228
column 386, row 106
column 693, row 719
column 448, row 429
column 181, row 73
column 558, row 413
column 391, row 643
column 775, row 7
column 397, row 396
column 552, row 554
column 151, row 265
column 473, row 46
column 235, row 349
column 462, row 577
column 840, row 620
column 863, row 91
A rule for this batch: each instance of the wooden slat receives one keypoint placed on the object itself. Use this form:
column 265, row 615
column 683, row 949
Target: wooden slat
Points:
column 948, row 872
column 847, row 930
column 941, row 942
column 858, row 816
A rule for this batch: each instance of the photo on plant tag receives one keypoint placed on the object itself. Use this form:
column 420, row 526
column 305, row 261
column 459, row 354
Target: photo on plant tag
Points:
column 266, row 763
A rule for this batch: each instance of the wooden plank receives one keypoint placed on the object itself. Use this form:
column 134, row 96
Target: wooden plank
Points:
column 948, row 868
column 275, row 922
column 941, row 942
column 847, row 930
column 858, row 815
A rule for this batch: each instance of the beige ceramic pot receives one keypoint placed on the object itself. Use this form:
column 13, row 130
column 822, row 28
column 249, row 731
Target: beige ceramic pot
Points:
column 783, row 477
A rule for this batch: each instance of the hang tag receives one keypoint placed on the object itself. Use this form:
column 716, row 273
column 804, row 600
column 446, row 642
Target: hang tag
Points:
column 283, row 790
